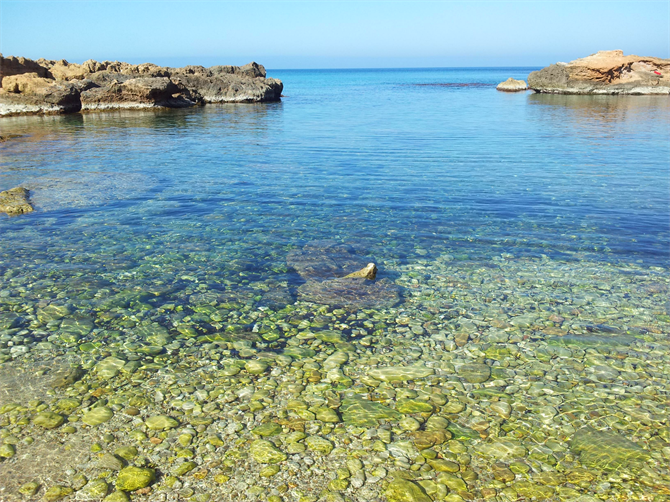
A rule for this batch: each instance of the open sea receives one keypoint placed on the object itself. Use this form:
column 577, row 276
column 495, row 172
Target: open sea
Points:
column 174, row 322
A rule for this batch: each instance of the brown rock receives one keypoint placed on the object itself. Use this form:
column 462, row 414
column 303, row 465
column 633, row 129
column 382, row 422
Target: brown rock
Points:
column 26, row 83
column 49, row 86
column 367, row 272
column 15, row 202
column 512, row 85
column 606, row 72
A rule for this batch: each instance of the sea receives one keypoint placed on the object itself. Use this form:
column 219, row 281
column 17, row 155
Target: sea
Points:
column 165, row 307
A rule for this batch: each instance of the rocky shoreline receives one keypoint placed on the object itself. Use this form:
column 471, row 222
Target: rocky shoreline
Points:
column 53, row 87
column 606, row 72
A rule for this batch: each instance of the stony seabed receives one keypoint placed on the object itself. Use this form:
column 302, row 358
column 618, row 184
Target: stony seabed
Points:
column 477, row 385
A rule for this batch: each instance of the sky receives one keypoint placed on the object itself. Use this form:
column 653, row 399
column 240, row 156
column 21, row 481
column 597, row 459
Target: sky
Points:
column 333, row 34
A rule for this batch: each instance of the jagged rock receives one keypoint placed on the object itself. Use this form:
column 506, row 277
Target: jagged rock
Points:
column 512, row 85
column 606, row 72
column 143, row 92
column 15, row 201
column 367, row 272
column 48, row 86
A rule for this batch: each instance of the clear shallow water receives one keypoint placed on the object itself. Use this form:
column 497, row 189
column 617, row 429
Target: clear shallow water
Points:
column 520, row 222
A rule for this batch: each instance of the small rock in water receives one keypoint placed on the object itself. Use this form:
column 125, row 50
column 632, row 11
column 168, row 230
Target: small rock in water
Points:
column 15, row 202
column 134, row 478
column 512, row 85
column 402, row 490
column 475, row 372
column 97, row 416
column 161, row 422
column 48, row 419
column 265, row 452
column 368, row 272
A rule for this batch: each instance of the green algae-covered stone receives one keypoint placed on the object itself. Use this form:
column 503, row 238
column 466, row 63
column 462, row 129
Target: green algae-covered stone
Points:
column 400, row 373
column 126, row 452
column 48, row 419
column 327, row 415
column 533, row 491
column 364, row 413
column 117, row 496
column 97, row 416
column 267, row 430
column 57, row 492
column 161, row 423
column 256, row 367
column 184, row 468
column 109, row 367
column 607, row 450
column 134, row 478
column 475, row 372
column 413, row 406
column 462, row 432
column 319, row 445
column 7, row 451
column 96, row 488
column 29, row 489
column 441, row 465
column 402, row 490
column 269, row 471
column 265, row 452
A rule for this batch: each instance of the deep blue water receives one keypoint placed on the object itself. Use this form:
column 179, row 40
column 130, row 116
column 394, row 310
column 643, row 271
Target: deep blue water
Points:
column 434, row 160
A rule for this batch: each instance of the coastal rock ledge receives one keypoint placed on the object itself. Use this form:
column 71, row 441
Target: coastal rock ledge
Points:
column 46, row 86
column 606, row 72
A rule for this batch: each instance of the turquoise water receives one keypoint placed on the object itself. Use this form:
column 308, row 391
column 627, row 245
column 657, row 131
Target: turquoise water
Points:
column 510, row 224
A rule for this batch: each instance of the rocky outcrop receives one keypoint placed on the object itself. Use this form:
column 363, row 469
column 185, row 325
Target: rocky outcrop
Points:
column 15, row 201
column 46, row 86
column 512, row 85
column 606, row 72
column 334, row 276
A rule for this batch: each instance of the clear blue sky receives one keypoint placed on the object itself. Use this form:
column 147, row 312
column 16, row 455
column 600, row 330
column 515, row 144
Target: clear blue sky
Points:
column 333, row 34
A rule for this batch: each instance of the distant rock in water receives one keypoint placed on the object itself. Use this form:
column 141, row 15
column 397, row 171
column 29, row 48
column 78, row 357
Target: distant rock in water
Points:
column 606, row 72
column 512, row 85
column 45, row 86
column 15, row 202
column 336, row 276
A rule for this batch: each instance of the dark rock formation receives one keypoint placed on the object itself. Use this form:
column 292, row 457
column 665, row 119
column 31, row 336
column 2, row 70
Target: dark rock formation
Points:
column 606, row 72
column 15, row 201
column 45, row 86
column 336, row 275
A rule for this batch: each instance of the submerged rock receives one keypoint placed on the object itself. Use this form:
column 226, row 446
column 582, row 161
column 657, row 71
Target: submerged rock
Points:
column 402, row 490
column 15, row 202
column 324, row 260
column 606, row 72
column 364, row 413
column 345, row 292
column 607, row 450
column 336, row 276
column 512, row 85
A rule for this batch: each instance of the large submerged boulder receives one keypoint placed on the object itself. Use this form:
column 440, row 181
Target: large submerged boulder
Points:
column 46, row 86
column 336, row 274
column 606, row 72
